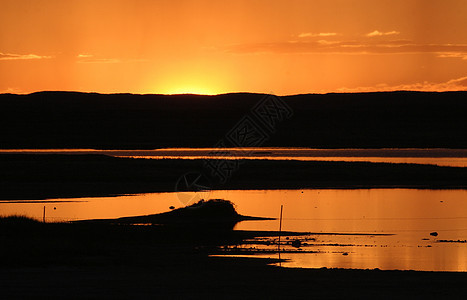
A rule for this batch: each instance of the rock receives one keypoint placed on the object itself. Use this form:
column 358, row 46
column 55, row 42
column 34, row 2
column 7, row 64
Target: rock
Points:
column 434, row 233
column 296, row 244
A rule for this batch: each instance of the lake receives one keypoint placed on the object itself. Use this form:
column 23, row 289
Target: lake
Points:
column 359, row 228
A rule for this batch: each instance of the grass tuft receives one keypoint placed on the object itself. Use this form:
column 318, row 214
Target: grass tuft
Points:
column 17, row 219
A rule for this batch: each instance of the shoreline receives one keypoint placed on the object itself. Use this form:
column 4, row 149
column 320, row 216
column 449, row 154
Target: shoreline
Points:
column 108, row 261
column 53, row 176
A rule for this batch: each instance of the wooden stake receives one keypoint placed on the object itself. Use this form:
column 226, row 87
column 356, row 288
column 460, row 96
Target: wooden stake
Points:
column 280, row 233
column 43, row 215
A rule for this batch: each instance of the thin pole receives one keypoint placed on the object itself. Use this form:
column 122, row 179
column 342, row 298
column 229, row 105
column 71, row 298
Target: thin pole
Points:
column 43, row 215
column 280, row 233
column 280, row 223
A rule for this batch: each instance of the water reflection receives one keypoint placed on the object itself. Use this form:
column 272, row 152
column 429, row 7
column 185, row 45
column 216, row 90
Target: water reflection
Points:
column 439, row 157
column 409, row 215
column 437, row 161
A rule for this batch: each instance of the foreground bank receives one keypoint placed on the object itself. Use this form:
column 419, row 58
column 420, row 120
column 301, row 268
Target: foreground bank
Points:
column 100, row 261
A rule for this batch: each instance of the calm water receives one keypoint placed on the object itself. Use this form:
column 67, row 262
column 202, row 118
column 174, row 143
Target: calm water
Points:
column 396, row 223
column 440, row 157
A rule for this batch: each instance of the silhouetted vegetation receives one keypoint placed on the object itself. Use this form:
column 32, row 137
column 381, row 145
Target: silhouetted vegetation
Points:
column 16, row 220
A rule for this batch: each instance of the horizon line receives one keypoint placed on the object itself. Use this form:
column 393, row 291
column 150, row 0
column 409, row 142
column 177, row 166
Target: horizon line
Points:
column 228, row 93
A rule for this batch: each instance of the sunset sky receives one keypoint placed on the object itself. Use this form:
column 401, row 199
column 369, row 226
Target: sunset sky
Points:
column 210, row 47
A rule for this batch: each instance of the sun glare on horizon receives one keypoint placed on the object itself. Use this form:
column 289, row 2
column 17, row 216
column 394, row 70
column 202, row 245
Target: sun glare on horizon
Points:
column 187, row 82
column 210, row 47
column 187, row 89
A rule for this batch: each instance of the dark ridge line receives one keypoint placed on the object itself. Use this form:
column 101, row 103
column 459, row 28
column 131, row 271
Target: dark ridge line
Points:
column 235, row 93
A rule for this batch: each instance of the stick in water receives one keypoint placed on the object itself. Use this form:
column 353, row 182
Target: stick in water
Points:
column 280, row 233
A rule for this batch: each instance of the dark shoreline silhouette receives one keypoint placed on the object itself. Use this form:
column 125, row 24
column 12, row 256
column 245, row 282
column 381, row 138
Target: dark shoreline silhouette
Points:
column 202, row 214
column 88, row 260
column 24, row 177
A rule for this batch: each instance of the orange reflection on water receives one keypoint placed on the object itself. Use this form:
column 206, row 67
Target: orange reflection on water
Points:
column 439, row 157
column 408, row 215
column 91, row 208
column 437, row 161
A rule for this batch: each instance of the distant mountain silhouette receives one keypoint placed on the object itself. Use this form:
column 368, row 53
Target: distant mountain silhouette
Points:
column 126, row 121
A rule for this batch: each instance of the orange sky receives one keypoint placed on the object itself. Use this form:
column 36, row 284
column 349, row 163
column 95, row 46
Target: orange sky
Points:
column 209, row 47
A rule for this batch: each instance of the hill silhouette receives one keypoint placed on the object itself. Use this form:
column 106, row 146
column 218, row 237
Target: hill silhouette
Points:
column 126, row 121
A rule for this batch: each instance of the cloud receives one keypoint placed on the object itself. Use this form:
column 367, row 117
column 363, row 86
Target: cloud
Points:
column 458, row 84
column 462, row 55
column 11, row 56
column 91, row 59
column 325, row 42
column 379, row 33
column 11, row 90
column 321, row 34
column 372, row 47
column 99, row 61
